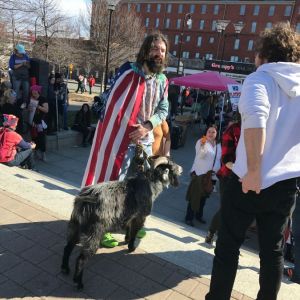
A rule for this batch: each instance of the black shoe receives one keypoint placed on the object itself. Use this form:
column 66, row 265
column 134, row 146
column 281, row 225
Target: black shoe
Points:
column 189, row 222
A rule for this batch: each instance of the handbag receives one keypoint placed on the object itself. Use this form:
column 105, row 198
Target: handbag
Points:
column 207, row 183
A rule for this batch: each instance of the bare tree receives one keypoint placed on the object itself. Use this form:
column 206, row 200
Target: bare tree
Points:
column 127, row 31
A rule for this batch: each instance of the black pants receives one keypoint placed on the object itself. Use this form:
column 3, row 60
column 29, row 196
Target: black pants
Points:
column 296, row 234
column 271, row 209
column 22, row 158
column 190, row 214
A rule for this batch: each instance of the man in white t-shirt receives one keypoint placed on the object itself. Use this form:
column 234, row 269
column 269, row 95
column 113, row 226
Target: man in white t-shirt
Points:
column 267, row 168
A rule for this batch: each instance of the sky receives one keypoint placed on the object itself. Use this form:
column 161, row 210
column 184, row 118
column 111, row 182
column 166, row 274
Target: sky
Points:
column 72, row 7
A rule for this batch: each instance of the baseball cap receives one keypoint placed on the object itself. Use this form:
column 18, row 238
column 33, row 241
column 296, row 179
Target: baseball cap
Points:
column 20, row 48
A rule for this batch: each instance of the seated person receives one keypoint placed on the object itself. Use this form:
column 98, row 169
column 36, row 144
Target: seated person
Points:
column 82, row 124
column 14, row 151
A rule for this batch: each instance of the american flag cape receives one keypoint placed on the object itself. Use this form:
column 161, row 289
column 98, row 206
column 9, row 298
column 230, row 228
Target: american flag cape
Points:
column 111, row 138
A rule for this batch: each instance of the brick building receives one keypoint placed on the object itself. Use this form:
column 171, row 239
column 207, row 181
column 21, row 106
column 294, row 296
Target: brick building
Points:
column 201, row 40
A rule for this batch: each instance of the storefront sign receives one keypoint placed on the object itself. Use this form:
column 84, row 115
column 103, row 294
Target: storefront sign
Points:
column 230, row 67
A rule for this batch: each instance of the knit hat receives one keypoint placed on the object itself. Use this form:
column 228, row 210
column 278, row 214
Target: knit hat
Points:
column 36, row 88
column 20, row 48
column 10, row 121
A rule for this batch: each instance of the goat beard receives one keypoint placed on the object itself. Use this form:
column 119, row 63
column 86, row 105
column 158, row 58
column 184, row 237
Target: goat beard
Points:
column 153, row 66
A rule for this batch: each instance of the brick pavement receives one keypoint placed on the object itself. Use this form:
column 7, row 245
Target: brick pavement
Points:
column 31, row 245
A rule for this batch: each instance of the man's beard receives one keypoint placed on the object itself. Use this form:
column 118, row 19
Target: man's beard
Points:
column 153, row 66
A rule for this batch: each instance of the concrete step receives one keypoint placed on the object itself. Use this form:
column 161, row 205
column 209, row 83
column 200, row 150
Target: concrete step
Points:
column 172, row 241
column 63, row 139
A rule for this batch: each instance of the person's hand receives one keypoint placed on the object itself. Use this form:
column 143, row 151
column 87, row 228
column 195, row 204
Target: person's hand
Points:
column 140, row 131
column 203, row 140
column 251, row 182
column 33, row 145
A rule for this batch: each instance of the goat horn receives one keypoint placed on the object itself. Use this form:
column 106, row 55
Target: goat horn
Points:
column 160, row 161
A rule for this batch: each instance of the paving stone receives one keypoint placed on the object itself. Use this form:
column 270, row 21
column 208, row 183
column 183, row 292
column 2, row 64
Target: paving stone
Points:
column 177, row 296
column 156, row 272
column 19, row 244
column 58, row 227
column 134, row 261
column 7, row 234
column 10, row 289
column 150, row 288
column 51, row 264
column 8, row 260
column 236, row 295
column 121, row 294
column 36, row 254
column 181, row 283
column 22, row 272
column 66, row 291
column 43, row 284
column 199, row 291
column 98, row 287
column 3, row 278
column 203, row 280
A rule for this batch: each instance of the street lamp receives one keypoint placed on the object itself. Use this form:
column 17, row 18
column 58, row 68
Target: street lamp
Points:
column 221, row 27
column 111, row 7
column 186, row 21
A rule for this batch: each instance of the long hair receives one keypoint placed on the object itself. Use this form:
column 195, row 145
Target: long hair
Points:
column 148, row 43
column 279, row 44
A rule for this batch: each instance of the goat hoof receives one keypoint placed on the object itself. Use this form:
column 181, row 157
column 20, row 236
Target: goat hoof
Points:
column 131, row 249
column 65, row 270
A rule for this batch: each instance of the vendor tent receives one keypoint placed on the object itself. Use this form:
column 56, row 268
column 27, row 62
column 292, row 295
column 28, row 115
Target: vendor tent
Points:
column 211, row 81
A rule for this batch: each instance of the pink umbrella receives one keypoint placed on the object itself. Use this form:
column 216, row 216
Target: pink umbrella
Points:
column 211, row 81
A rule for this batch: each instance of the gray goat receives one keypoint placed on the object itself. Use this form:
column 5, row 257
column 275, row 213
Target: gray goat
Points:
column 114, row 206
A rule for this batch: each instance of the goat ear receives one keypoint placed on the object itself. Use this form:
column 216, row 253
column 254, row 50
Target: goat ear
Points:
column 166, row 174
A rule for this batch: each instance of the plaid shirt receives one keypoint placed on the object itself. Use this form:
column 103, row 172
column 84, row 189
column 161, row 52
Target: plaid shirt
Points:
column 230, row 140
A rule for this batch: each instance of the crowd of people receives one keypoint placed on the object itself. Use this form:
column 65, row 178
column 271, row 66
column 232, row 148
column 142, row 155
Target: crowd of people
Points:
column 256, row 159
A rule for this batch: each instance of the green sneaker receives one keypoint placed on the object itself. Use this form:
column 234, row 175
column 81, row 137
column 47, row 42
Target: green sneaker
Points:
column 108, row 241
column 141, row 233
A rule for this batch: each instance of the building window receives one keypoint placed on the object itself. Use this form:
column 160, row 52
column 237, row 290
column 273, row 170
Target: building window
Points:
column 158, row 8
column 129, row 7
column 138, row 7
column 169, row 8
column 211, row 40
column 167, row 23
column 287, row 11
column 199, row 41
column 271, row 10
column 250, row 45
column 157, row 22
column 242, row 10
column 180, row 8
column 176, row 39
column 178, row 23
column 256, row 10
column 203, row 9
column 147, row 22
column 216, row 9
column 236, row 44
column 185, row 54
column 253, row 27
column 209, row 56
column 269, row 25
column 197, row 55
column 174, row 53
column 234, row 58
column 148, row 8
column 188, row 38
column 214, row 25
column 298, row 27
column 201, row 24
column 192, row 8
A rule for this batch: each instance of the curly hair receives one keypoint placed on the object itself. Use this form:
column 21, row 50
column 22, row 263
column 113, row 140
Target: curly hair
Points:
column 148, row 43
column 279, row 44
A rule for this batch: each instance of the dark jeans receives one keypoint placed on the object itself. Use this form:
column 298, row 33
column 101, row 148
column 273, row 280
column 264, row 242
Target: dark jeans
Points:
column 22, row 158
column 271, row 209
column 190, row 214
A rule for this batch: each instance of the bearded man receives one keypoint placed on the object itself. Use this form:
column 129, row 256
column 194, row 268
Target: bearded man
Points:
column 136, row 102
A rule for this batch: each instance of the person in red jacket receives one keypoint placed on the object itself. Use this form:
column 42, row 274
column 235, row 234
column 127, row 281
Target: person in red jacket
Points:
column 14, row 151
column 92, row 82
